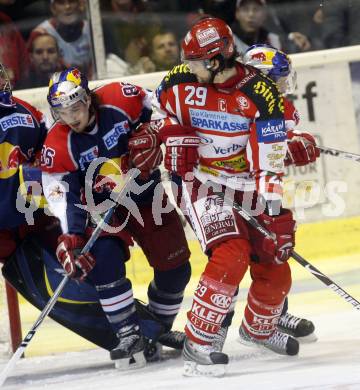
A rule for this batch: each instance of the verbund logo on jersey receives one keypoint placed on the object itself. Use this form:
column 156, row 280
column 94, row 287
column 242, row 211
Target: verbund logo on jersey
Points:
column 218, row 121
column 16, row 119
column 271, row 131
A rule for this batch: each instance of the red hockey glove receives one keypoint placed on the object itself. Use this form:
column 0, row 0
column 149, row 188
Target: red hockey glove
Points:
column 144, row 149
column 68, row 253
column 302, row 149
column 283, row 228
column 181, row 149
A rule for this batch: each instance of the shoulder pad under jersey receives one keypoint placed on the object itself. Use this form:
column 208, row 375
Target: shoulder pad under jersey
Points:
column 56, row 154
column 126, row 97
column 264, row 93
column 36, row 114
column 177, row 75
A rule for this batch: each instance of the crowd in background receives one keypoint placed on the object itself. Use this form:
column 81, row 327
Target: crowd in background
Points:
column 39, row 37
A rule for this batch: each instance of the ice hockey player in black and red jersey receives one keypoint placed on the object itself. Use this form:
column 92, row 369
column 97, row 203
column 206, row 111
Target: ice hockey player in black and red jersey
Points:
column 92, row 125
column 224, row 122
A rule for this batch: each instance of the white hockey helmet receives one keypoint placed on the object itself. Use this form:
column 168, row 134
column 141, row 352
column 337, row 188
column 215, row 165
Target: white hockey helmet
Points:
column 67, row 88
column 274, row 63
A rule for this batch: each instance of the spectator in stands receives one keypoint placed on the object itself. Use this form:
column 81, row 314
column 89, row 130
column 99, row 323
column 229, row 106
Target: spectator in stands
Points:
column 13, row 53
column 164, row 54
column 289, row 17
column 25, row 13
column 223, row 9
column 249, row 26
column 45, row 59
column 133, row 6
column 341, row 25
column 128, row 29
column 71, row 32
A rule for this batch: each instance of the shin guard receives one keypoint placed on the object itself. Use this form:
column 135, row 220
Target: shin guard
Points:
column 212, row 300
column 260, row 320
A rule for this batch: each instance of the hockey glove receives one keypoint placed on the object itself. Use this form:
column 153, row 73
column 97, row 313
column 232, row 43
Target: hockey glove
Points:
column 144, row 149
column 181, row 149
column 68, row 253
column 277, row 251
column 302, row 149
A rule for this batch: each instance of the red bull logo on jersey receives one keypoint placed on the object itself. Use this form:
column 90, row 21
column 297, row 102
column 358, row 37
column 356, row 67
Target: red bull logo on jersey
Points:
column 16, row 119
column 109, row 176
column 11, row 157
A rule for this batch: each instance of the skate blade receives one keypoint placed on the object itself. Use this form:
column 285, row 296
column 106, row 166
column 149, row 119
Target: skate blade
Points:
column 247, row 343
column 261, row 347
column 131, row 363
column 156, row 357
column 311, row 338
column 211, row 370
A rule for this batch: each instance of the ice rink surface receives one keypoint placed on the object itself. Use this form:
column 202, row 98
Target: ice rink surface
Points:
column 333, row 362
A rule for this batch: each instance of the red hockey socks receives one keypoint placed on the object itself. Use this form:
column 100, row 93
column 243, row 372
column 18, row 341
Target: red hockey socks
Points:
column 212, row 300
column 260, row 320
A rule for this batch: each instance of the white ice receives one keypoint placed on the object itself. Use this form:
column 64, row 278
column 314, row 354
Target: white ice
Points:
column 332, row 362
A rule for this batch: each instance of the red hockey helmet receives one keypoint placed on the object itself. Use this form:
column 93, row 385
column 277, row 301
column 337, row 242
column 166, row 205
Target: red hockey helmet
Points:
column 208, row 38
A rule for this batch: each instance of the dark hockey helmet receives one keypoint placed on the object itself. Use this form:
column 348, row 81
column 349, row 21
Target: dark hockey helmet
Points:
column 6, row 99
column 208, row 38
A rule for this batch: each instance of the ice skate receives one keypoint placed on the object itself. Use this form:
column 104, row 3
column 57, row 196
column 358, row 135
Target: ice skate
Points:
column 297, row 327
column 203, row 360
column 220, row 338
column 129, row 353
column 278, row 342
column 173, row 339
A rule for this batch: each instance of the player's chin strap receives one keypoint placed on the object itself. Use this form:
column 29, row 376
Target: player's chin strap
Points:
column 339, row 153
column 318, row 274
column 214, row 73
column 51, row 303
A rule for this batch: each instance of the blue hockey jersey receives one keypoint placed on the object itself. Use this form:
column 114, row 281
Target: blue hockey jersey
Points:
column 67, row 155
column 22, row 133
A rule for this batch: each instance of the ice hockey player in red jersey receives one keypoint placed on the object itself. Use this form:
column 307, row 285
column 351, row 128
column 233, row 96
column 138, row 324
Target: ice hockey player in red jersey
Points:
column 301, row 147
column 92, row 125
column 224, row 123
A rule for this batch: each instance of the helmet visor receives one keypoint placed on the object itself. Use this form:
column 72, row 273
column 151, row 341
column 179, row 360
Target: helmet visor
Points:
column 70, row 114
column 287, row 84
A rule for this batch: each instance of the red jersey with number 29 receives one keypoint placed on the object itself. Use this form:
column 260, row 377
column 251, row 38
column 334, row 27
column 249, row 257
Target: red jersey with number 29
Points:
column 241, row 123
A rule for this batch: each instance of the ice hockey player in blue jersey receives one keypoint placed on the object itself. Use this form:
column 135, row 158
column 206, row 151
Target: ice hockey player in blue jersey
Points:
column 92, row 125
column 22, row 133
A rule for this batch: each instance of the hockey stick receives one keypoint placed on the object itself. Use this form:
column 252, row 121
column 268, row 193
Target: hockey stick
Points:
column 339, row 153
column 318, row 274
column 52, row 301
